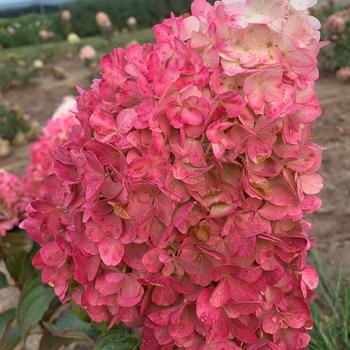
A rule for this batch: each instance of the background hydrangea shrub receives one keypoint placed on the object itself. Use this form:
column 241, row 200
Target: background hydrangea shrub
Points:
column 178, row 205
column 54, row 134
column 11, row 201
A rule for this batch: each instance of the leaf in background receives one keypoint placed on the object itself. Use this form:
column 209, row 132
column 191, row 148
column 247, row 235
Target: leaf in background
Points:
column 51, row 342
column 14, row 264
column 5, row 320
column 116, row 341
column 12, row 340
column 28, row 272
column 16, row 241
column 119, row 328
column 34, row 302
column 16, row 246
column 79, row 312
column 11, row 122
column 3, row 280
column 68, row 325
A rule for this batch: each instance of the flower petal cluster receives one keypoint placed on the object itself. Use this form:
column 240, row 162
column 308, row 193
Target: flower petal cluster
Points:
column 54, row 134
column 179, row 204
column 11, row 203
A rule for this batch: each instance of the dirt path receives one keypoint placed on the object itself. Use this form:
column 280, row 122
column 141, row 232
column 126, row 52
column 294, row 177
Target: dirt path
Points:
column 41, row 99
column 332, row 130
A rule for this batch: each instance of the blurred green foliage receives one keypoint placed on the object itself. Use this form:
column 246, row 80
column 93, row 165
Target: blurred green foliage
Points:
column 337, row 53
column 25, row 30
column 11, row 122
column 16, row 64
column 330, row 311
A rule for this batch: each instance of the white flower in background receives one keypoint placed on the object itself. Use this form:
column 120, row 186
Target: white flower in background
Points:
column 20, row 139
column 5, row 148
column 66, row 15
column 87, row 53
column 11, row 30
column 131, row 22
column 38, row 64
column 73, row 38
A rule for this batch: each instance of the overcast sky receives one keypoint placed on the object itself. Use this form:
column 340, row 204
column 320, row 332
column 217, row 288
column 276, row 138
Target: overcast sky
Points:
column 5, row 4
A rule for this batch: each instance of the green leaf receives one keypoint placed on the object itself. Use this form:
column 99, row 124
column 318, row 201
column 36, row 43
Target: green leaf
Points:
column 3, row 280
column 51, row 342
column 68, row 325
column 34, row 302
column 116, row 341
column 18, row 248
column 101, row 327
column 28, row 273
column 12, row 340
column 79, row 312
column 14, row 264
column 5, row 320
column 16, row 241
column 11, row 122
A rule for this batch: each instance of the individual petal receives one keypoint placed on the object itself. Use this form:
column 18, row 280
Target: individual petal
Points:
column 311, row 183
column 111, row 251
column 205, row 311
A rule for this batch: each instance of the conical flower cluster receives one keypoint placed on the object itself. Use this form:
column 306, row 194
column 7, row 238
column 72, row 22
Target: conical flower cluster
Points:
column 55, row 133
column 11, row 201
column 179, row 204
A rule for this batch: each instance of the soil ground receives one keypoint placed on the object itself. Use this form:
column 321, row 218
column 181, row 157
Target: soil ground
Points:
column 332, row 130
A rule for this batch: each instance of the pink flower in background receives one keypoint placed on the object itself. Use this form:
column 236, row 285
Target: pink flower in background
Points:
column 66, row 15
column 11, row 201
column 103, row 20
column 178, row 203
column 343, row 74
column 54, row 134
column 87, row 53
column 335, row 24
column 45, row 35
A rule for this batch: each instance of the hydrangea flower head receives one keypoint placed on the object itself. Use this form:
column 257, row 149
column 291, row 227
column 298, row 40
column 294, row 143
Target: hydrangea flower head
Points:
column 179, row 204
column 54, row 134
column 11, row 203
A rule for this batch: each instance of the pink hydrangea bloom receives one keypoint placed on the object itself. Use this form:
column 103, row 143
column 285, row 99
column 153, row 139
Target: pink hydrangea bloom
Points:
column 11, row 201
column 179, row 204
column 54, row 134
